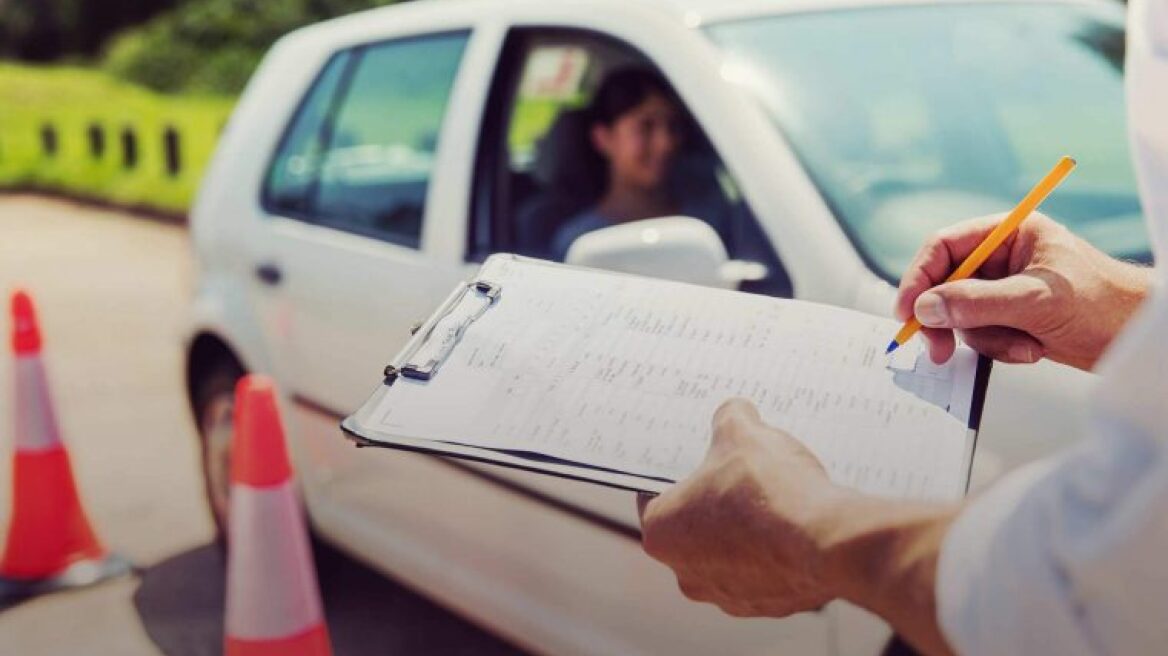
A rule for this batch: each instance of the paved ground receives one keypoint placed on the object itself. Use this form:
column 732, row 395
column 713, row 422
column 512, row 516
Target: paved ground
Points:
column 111, row 291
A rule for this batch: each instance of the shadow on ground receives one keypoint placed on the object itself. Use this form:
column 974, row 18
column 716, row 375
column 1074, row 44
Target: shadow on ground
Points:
column 180, row 602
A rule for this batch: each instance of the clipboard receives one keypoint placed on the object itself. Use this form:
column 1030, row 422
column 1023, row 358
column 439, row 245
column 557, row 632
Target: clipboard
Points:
column 432, row 344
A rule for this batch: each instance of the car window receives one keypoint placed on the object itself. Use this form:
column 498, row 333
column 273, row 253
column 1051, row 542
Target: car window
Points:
column 552, row 172
column 553, row 80
column 911, row 118
column 545, row 172
column 371, row 160
column 293, row 172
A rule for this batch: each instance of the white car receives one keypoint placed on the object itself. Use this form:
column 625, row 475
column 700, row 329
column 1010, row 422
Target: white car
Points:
column 375, row 160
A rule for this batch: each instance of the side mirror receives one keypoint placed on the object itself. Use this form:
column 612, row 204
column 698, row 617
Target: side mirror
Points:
column 676, row 248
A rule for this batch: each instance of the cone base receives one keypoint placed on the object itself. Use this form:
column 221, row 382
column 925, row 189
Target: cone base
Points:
column 312, row 642
column 77, row 575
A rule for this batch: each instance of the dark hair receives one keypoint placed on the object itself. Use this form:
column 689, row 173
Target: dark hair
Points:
column 624, row 89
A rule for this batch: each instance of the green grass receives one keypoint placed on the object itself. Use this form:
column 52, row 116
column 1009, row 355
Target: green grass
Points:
column 70, row 101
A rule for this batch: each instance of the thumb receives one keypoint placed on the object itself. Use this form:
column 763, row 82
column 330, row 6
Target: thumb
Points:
column 733, row 423
column 1014, row 301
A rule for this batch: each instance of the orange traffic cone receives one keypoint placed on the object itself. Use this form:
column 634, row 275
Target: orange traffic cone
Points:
column 50, row 544
column 273, row 603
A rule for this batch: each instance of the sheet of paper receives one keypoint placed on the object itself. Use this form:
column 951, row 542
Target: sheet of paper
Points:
column 625, row 373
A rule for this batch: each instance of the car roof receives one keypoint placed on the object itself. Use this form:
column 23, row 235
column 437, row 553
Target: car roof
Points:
column 689, row 13
column 699, row 12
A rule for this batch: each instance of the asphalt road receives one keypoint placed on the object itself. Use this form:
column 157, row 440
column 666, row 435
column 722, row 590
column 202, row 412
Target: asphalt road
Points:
column 111, row 290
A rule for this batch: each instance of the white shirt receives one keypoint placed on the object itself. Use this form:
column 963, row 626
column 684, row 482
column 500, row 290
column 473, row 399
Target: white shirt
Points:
column 1070, row 555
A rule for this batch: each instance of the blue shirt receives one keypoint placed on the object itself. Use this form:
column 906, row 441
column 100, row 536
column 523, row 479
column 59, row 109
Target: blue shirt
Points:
column 584, row 222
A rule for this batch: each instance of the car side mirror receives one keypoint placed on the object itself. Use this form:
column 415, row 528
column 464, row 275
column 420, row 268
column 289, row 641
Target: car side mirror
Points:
column 676, row 248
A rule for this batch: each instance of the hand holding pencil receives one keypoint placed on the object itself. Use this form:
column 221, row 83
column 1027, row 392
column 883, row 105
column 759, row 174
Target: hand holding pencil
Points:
column 994, row 239
column 1043, row 292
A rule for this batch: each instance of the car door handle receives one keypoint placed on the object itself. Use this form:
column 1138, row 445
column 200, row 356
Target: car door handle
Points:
column 269, row 274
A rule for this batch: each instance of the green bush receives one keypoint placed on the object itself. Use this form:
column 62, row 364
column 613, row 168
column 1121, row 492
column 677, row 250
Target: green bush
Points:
column 144, row 57
column 227, row 68
column 53, row 30
column 213, row 45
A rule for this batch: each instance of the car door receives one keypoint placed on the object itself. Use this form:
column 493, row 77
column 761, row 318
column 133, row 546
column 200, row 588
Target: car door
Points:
column 351, row 248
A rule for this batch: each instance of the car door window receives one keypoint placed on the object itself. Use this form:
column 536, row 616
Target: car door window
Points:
column 292, row 174
column 543, row 169
column 371, row 159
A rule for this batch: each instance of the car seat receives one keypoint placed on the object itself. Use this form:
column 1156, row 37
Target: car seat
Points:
column 569, row 174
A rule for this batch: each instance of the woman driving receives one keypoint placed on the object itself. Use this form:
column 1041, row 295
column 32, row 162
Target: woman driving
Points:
column 636, row 128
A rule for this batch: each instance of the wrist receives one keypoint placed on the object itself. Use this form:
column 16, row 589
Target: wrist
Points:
column 882, row 556
column 1125, row 288
column 875, row 543
column 1130, row 285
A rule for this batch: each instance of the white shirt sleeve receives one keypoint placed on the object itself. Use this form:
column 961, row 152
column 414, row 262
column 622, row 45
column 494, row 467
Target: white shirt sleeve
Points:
column 1067, row 556
column 1070, row 556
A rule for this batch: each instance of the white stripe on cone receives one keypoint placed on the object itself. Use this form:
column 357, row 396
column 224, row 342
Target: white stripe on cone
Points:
column 36, row 425
column 271, row 581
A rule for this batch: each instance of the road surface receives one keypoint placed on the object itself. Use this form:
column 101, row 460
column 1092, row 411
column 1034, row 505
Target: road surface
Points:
column 112, row 291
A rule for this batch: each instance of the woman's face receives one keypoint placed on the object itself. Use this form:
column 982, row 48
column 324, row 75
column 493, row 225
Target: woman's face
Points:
column 640, row 144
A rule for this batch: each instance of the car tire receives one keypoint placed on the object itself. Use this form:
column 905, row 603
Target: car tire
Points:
column 213, row 402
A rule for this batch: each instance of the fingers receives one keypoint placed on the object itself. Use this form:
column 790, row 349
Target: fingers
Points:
column 656, row 538
column 941, row 344
column 1015, row 301
column 1005, row 344
column 937, row 258
column 643, row 500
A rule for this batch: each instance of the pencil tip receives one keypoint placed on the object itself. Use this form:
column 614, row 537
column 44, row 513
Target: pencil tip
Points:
column 892, row 346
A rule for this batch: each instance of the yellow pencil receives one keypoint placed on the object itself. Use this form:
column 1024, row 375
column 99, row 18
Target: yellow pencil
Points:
column 993, row 240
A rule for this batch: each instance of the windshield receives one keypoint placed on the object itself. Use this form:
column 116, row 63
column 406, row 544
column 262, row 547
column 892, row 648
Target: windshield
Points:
column 910, row 118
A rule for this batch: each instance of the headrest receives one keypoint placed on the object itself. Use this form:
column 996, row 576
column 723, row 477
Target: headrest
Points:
column 564, row 157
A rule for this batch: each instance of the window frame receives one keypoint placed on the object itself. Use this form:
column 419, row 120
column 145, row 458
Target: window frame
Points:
column 355, row 54
column 267, row 203
column 488, row 176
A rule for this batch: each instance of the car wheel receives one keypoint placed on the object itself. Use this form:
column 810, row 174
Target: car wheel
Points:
column 214, row 405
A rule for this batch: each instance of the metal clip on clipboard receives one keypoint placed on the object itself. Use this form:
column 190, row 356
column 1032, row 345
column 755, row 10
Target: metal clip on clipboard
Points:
column 440, row 338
